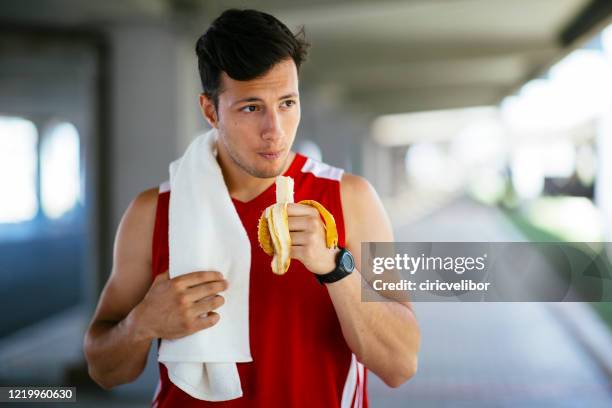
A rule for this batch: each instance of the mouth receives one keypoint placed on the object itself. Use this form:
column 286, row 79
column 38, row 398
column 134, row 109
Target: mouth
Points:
column 271, row 155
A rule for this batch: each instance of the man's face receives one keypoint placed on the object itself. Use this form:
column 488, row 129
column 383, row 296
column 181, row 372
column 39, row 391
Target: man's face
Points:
column 257, row 119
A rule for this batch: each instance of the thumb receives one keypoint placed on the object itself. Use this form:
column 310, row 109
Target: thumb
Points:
column 163, row 276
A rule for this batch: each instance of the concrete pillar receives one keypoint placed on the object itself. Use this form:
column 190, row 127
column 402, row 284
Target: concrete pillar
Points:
column 154, row 107
column 378, row 166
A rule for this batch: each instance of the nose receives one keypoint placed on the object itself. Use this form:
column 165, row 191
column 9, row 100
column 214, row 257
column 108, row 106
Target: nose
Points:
column 272, row 129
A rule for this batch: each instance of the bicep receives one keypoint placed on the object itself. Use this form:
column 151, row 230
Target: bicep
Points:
column 130, row 277
column 365, row 218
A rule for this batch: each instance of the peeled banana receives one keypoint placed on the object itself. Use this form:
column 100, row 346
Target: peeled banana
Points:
column 273, row 229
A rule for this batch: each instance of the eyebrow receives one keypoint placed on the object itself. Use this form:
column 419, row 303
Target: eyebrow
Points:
column 254, row 99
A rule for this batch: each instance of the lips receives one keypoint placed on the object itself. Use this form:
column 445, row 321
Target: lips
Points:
column 271, row 155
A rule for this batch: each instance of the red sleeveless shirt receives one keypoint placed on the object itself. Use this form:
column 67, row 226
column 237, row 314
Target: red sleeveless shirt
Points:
column 300, row 357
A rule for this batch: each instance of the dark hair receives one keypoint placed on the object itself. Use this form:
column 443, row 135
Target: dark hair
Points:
column 245, row 44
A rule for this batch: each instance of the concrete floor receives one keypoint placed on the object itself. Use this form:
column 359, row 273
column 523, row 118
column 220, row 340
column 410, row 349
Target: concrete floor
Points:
column 492, row 354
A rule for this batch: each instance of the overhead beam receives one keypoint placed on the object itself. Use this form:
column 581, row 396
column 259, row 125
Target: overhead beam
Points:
column 499, row 71
column 595, row 13
column 422, row 100
column 77, row 12
column 347, row 54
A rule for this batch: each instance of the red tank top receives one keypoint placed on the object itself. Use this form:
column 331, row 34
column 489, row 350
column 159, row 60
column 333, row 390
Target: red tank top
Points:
column 300, row 357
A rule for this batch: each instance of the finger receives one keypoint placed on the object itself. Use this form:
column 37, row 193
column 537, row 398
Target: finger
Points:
column 299, row 238
column 206, row 321
column 195, row 293
column 208, row 305
column 294, row 209
column 196, row 278
column 299, row 223
column 297, row 252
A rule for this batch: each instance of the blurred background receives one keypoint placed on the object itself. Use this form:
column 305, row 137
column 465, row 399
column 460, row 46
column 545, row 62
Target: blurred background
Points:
column 476, row 120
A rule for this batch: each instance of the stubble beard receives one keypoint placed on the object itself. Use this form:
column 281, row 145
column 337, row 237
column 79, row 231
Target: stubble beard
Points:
column 253, row 171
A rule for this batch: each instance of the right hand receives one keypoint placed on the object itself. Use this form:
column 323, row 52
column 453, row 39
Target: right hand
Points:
column 180, row 306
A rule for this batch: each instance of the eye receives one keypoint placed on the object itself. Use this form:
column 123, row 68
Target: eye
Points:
column 249, row 108
column 289, row 103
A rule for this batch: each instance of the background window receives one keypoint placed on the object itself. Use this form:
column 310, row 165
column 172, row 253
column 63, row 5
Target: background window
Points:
column 59, row 169
column 18, row 159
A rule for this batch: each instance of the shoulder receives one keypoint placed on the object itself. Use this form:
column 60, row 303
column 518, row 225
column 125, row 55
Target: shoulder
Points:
column 354, row 186
column 358, row 194
column 137, row 222
column 144, row 204
column 365, row 216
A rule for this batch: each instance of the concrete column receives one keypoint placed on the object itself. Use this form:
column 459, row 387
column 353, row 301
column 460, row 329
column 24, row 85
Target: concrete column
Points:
column 154, row 107
column 378, row 167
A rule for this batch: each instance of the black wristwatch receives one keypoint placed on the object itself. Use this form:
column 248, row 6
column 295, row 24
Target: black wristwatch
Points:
column 345, row 264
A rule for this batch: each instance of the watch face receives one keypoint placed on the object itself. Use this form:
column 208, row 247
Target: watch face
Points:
column 348, row 263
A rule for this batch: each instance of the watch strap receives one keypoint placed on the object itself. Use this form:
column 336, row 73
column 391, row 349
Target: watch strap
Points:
column 340, row 272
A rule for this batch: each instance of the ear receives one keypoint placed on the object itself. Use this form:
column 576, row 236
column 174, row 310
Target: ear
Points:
column 209, row 112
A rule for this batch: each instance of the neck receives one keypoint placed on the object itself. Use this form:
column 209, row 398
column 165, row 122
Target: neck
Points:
column 241, row 185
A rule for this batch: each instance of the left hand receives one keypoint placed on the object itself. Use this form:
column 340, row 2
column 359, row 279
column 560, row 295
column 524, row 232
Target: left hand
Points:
column 308, row 246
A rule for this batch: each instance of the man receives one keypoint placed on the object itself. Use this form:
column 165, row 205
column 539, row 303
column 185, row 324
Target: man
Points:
column 310, row 333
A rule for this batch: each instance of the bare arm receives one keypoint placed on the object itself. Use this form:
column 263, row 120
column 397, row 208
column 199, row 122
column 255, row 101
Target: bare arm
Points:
column 383, row 335
column 134, row 310
column 115, row 346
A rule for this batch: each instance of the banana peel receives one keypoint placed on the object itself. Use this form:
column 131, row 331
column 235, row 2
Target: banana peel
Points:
column 331, row 232
column 273, row 228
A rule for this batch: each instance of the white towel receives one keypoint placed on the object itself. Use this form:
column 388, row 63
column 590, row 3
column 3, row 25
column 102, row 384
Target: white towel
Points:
column 205, row 233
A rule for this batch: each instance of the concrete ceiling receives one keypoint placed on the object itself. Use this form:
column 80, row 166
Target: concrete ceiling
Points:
column 419, row 55
column 386, row 56
column 414, row 55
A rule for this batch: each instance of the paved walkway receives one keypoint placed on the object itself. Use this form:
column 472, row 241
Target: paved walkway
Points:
column 491, row 354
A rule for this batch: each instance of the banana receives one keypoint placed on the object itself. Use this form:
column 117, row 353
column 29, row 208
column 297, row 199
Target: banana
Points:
column 273, row 228
column 331, row 232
